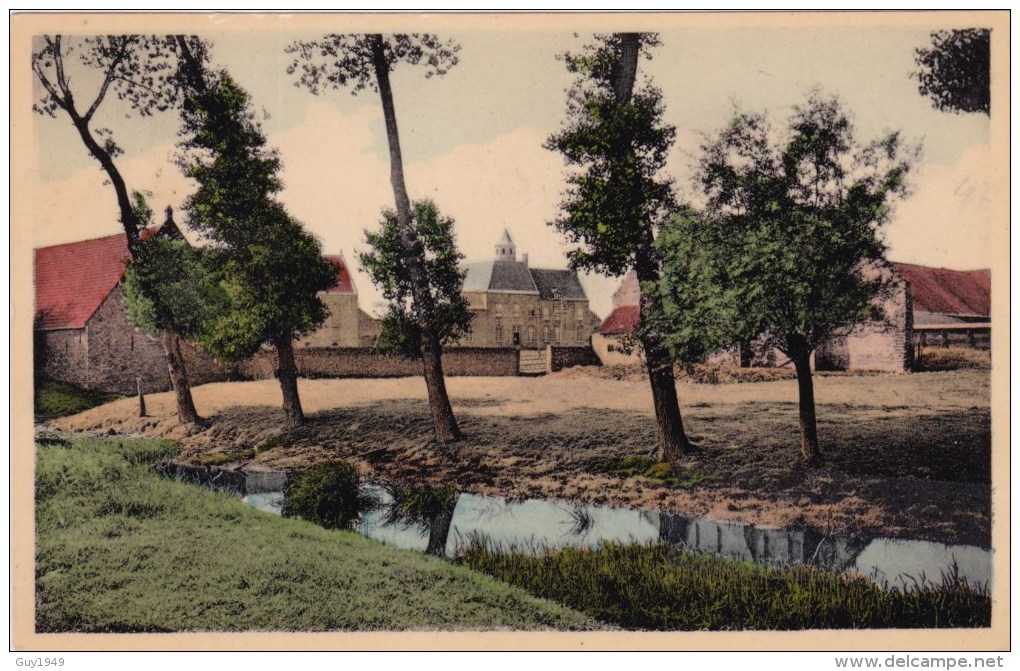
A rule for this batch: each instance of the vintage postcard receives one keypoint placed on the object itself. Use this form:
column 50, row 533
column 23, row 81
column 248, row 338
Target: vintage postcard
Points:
column 664, row 331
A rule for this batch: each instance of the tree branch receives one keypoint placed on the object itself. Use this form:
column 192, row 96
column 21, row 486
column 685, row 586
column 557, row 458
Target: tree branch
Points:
column 47, row 84
column 106, row 82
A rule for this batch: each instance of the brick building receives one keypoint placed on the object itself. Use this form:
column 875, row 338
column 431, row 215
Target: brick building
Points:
column 82, row 332
column 515, row 305
column 920, row 299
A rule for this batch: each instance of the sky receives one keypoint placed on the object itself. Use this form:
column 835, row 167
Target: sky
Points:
column 472, row 140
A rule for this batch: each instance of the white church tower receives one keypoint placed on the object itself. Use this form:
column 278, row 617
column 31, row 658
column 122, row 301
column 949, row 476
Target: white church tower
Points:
column 506, row 250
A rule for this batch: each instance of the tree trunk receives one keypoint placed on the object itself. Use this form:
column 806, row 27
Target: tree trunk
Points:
column 800, row 354
column 128, row 219
column 439, row 402
column 673, row 442
column 439, row 531
column 287, row 372
column 443, row 420
column 186, row 412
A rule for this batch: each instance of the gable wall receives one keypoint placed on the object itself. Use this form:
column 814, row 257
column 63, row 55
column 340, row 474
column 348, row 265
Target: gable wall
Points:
column 118, row 352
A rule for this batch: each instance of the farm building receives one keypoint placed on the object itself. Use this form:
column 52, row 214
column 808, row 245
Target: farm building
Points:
column 82, row 332
column 515, row 305
column 932, row 305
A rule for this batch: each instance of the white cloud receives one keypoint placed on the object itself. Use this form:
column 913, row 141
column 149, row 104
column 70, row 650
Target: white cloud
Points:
column 948, row 220
column 84, row 205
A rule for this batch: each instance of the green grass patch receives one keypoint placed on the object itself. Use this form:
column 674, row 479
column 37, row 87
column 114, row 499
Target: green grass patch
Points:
column 58, row 399
column 660, row 471
column 120, row 549
column 656, row 587
column 221, row 458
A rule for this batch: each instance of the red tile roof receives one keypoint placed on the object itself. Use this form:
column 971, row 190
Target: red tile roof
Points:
column 951, row 292
column 623, row 319
column 72, row 280
column 344, row 285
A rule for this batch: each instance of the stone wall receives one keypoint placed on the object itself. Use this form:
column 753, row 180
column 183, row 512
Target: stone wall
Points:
column 883, row 345
column 341, row 326
column 566, row 357
column 117, row 353
column 62, row 355
column 363, row 362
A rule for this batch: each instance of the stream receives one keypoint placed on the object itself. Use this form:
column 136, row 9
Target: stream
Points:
column 534, row 525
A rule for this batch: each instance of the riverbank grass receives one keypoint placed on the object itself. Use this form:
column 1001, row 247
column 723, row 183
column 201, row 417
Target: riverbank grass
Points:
column 120, row 549
column 58, row 399
column 655, row 587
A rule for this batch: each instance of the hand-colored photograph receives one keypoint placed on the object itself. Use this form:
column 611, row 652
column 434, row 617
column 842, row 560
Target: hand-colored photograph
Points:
column 568, row 329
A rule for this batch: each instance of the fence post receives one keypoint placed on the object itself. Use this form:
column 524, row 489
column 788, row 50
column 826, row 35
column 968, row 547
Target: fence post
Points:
column 141, row 397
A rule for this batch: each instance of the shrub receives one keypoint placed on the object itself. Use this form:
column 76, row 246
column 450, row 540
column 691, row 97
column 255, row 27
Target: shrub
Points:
column 419, row 504
column 327, row 494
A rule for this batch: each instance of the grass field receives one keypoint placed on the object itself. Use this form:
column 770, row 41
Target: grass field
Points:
column 903, row 455
column 54, row 399
column 120, row 549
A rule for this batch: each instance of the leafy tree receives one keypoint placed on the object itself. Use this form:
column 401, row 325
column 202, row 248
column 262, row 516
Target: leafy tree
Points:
column 795, row 219
column 143, row 71
column 447, row 313
column 955, row 70
column 700, row 308
column 365, row 61
column 172, row 293
column 271, row 268
column 615, row 138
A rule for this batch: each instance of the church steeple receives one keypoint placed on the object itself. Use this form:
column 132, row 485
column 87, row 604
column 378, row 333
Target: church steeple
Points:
column 506, row 250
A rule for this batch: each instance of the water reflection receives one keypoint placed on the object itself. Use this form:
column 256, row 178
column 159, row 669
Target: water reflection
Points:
column 535, row 524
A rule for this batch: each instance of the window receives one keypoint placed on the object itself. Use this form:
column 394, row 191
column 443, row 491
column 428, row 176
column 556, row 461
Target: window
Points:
column 517, row 310
column 545, row 312
column 545, row 335
column 498, row 307
column 531, row 334
column 533, row 313
column 499, row 333
column 559, row 335
column 579, row 336
column 580, row 312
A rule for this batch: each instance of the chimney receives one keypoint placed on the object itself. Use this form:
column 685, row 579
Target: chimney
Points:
column 524, row 259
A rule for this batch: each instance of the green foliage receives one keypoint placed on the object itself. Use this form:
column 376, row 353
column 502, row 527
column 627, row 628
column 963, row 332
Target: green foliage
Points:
column 617, row 148
column 270, row 267
column 419, row 504
column 700, row 310
column 658, row 588
column 789, row 243
column 660, row 471
column 170, row 287
column 121, row 549
column 447, row 311
column 58, row 399
column 955, row 70
column 327, row 494
column 345, row 61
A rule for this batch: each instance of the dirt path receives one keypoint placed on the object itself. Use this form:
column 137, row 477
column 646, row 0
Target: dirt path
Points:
column 905, row 455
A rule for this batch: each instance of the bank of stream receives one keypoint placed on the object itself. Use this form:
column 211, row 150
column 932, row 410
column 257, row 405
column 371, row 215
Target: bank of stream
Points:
column 534, row 526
